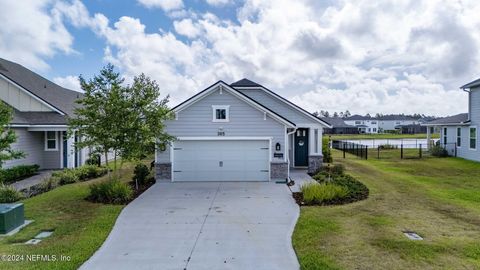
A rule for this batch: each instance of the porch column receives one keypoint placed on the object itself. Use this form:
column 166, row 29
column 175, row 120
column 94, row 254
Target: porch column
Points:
column 71, row 151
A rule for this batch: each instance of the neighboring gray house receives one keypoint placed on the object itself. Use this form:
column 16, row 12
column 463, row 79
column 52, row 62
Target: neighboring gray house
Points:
column 40, row 116
column 459, row 133
column 339, row 126
column 239, row 132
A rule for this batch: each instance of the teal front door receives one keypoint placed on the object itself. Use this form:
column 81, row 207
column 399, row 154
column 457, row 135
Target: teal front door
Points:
column 301, row 147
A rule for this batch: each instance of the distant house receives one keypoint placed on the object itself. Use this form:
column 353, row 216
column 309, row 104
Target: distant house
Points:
column 395, row 122
column 339, row 126
column 413, row 129
column 364, row 124
column 40, row 112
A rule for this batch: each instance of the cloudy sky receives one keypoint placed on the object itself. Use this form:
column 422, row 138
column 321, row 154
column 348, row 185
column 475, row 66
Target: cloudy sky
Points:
column 364, row 56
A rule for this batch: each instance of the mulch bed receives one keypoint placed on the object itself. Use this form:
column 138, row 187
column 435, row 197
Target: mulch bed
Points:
column 141, row 188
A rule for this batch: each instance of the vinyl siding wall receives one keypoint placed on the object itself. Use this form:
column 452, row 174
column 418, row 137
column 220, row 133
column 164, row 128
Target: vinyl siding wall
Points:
column 245, row 120
column 278, row 106
column 18, row 99
column 33, row 145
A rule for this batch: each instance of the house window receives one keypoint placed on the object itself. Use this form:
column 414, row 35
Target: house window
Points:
column 221, row 113
column 357, row 122
column 315, row 136
column 51, row 141
column 374, row 122
column 444, row 135
column 459, row 137
column 473, row 138
column 374, row 129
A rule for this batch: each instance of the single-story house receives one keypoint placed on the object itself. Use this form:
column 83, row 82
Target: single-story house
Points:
column 412, row 129
column 455, row 135
column 459, row 133
column 339, row 126
column 239, row 132
column 40, row 111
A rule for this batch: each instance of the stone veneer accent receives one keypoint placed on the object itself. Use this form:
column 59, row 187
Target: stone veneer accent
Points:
column 314, row 164
column 279, row 170
column 163, row 171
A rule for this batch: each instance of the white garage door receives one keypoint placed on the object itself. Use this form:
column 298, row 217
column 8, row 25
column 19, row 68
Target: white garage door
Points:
column 221, row 160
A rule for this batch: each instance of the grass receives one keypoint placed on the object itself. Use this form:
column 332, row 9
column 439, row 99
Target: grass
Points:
column 80, row 227
column 379, row 136
column 436, row 197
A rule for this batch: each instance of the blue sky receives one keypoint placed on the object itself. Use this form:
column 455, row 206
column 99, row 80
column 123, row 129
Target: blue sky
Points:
column 365, row 56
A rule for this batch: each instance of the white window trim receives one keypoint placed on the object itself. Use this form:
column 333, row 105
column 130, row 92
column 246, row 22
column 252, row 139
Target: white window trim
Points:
column 46, row 142
column 476, row 138
column 221, row 107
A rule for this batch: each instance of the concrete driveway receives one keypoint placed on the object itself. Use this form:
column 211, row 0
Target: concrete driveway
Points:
column 207, row 225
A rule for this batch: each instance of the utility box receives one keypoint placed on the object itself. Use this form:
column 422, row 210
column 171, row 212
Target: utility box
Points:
column 11, row 216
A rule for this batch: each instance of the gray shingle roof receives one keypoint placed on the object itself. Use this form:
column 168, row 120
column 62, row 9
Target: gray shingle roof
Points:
column 245, row 83
column 336, row 122
column 38, row 118
column 61, row 98
column 458, row 119
column 358, row 117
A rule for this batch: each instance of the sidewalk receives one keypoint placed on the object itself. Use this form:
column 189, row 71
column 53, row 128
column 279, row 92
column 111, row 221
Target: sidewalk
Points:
column 32, row 181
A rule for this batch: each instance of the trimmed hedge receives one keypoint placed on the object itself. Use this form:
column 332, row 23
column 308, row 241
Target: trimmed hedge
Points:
column 17, row 173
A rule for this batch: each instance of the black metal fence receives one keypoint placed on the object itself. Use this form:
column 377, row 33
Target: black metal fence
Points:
column 402, row 151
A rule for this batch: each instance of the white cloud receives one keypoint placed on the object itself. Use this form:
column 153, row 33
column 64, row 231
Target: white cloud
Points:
column 69, row 82
column 31, row 32
column 219, row 2
column 365, row 56
column 166, row 5
column 186, row 28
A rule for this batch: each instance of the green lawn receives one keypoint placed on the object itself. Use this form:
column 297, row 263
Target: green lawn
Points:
column 379, row 136
column 80, row 227
column 438, row 198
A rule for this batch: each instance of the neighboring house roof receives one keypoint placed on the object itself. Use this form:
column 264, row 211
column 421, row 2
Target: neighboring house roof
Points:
column 245, row 83
column 362, row 126
column 61, row 98
column 337, row 122
column 38, row 118
column 396, row 118
column 358, row 117
column 238, row 94
column 471, row 84
column 459, row 119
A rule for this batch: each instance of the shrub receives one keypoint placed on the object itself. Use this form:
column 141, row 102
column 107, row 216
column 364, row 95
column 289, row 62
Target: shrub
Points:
column 356, row 189
column 439, row 151
column 387, row 147
column 49, row 184
column 93, row 159
column 337, row 169
column 326, row 152
column 9, row 194
column 140, row 174
column 67, row 176
column 111, row 191
column 17, row 173
column 315, row 193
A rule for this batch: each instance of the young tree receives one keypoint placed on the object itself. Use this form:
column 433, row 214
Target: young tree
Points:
column 98, row 118
column 347, row 113
column 7, row 136
column 335, row 114
column 144, row 121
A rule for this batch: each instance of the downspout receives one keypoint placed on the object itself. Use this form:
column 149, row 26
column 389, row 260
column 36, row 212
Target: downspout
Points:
column 288, row 153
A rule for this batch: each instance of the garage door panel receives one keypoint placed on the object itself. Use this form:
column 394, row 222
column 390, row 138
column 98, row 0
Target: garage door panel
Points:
column 221, row 160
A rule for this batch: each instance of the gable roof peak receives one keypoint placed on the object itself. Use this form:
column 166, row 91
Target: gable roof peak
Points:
column 245, row 83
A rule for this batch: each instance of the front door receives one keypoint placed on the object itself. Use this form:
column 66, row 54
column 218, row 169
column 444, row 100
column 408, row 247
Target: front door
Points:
column 65, row 150
column 301, row 147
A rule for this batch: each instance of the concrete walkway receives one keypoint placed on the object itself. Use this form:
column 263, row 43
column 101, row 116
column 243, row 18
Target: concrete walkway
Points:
column 207, row 225
column 33, row 180
column 300, row 177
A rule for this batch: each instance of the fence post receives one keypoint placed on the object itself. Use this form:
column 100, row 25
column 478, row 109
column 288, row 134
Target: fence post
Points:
column 455, row 149
column 378, row 152
column 343, row 144
column 366, row 152
column 420, row 151
column 401, row 151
